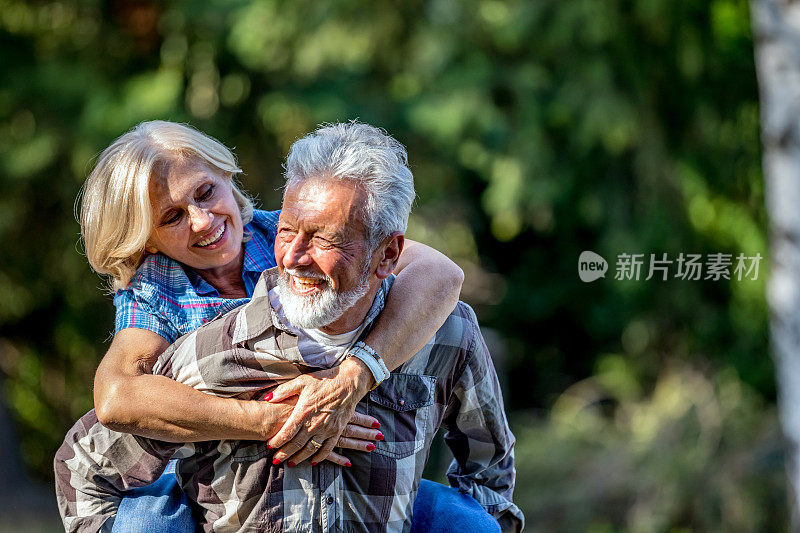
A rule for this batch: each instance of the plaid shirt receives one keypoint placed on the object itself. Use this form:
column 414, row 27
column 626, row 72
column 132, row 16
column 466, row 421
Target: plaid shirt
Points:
column 167, row 299
column 450, row 383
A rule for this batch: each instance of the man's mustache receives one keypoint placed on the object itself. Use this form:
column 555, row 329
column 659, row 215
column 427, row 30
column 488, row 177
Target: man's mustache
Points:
column 309, row 274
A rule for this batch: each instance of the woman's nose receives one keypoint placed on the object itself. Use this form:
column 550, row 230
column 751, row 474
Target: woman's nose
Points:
column 200, row 218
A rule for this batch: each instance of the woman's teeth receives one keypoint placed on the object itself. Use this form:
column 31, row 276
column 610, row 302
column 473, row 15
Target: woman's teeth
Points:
column 213, row 238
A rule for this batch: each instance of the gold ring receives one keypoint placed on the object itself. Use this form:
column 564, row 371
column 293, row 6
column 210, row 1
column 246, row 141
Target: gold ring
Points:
column 315, row 443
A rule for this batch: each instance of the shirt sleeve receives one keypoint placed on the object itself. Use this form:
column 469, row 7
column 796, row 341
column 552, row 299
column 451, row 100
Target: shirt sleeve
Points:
column 134, row 312
column 477, row 432
column 94, row 467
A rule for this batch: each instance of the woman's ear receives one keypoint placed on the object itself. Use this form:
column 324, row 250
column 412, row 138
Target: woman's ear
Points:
column 390, row 252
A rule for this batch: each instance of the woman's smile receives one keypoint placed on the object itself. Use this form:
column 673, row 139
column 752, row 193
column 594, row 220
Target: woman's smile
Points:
column 215, row 238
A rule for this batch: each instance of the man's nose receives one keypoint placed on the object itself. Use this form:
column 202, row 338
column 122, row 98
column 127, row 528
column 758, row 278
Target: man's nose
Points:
column 297, row 252
column 200, row 218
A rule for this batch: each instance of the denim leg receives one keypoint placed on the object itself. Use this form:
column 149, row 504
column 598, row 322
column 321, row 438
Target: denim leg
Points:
column 439, row 509
column 158, row 508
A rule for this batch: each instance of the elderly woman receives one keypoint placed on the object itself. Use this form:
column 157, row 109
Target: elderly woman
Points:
column 162, row 216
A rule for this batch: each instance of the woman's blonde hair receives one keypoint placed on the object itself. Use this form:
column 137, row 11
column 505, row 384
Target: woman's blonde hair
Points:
column 116, row 215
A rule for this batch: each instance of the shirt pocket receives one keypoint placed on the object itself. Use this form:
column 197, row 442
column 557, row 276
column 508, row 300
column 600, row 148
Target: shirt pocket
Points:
column 402, row 404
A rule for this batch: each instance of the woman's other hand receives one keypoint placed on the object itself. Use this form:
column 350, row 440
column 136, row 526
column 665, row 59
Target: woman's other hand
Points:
column 326, row 403
column 359, row 434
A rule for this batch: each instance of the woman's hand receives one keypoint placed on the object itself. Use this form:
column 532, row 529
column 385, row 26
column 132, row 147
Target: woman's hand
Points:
column 359, row 434
column 422, row 297
column 326, row 403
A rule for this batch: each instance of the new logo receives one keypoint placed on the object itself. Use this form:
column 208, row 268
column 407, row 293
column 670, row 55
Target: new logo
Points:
column 591, row 266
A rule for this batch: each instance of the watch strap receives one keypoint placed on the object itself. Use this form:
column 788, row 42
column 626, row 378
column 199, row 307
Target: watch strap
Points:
column 374, row 362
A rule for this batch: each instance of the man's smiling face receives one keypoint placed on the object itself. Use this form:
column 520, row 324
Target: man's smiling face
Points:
column 325, row 264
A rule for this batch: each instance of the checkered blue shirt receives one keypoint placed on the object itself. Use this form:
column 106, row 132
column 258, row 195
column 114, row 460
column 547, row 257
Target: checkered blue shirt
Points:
column 168, row 299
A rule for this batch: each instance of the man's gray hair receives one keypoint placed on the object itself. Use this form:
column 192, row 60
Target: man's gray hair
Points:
column 365, row 155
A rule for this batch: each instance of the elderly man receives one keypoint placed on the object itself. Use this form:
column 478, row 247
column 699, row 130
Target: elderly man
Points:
column 346, row 205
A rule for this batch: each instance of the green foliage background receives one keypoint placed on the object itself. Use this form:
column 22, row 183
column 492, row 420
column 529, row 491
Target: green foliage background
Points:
column 536, row 130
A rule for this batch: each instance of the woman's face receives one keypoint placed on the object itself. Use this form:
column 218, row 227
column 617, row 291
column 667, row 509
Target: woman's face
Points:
column 196, row 219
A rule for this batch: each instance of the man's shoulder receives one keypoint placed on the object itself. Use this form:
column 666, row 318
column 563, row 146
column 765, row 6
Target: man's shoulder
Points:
column 461, row 322
column 459, row 331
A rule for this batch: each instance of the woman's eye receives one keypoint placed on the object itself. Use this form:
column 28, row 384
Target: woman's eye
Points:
column 207, row 193
column 172, row 218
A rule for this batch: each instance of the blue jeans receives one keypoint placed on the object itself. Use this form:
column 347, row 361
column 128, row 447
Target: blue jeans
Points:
column 163, row 508
column 158, row 508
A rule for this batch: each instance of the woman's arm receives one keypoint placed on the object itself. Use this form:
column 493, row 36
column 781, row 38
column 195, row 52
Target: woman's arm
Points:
column 128, row 398
column 423, row 295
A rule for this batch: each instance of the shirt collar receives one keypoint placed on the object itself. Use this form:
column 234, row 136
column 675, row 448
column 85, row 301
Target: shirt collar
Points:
column 258, row 252
column 201, row 286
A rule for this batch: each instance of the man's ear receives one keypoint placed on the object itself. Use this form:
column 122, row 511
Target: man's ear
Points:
column 389, row 253
column 150, row 248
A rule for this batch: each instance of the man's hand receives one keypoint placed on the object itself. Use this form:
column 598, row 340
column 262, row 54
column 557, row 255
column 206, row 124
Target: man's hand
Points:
column 326, row 403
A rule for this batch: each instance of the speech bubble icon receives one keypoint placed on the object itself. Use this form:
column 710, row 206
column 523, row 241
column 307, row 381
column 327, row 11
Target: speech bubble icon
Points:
column 591, row 266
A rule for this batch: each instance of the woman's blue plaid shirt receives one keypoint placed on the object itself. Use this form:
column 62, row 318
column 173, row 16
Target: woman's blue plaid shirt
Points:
column 172, row 301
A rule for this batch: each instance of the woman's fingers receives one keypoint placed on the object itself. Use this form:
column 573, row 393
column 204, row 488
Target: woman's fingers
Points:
column 285, row 452
column 286, row 390
column 334, row 458
column 358, row 438
column 320, row 454
column 356, row 444
column 303, row 452
column 365, row 420
column 317, row 448
column 358, row 432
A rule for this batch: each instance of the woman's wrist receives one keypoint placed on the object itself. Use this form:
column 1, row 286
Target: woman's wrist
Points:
column 264, row 417
column 359, row 375
column 373, row 361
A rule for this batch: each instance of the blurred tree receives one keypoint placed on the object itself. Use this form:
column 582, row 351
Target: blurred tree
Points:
column 536, row 130
column 778, row 60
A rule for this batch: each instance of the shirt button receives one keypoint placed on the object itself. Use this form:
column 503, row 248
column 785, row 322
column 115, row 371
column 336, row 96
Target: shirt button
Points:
column 402, row 401
column 329, row 500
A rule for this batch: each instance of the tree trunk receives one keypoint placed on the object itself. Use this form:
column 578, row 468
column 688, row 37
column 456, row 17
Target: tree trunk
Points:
column 776, row 30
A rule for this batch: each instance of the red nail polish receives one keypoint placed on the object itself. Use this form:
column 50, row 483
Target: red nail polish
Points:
column 313, row 463
column 370, row 447
column 376, row 425
column 267, row 397
column 379, row 436
column 269, row 447
column 291, row 463
column 276, row 462
column 347, row 464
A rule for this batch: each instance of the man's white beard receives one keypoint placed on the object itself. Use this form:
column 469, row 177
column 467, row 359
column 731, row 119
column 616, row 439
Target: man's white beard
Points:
column 322, row 307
